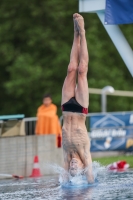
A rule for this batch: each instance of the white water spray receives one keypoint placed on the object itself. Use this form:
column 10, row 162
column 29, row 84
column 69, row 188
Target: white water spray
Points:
column 66, row 180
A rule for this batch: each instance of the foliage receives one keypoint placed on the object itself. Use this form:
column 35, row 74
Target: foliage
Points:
column 35, row 44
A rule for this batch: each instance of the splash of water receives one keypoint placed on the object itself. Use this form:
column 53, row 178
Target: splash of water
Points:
column 66, row 180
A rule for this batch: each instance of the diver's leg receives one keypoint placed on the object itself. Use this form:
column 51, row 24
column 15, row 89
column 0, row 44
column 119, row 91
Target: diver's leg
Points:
column 68, row 90
column 82, row 93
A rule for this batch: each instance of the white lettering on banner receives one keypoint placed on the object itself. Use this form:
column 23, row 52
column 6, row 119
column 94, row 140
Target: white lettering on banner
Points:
column 131, row 119
column 107, row 132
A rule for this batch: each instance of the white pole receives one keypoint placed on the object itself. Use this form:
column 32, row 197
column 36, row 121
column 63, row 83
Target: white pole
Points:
column 104, row 102
column 105, row 90
column 120, row 42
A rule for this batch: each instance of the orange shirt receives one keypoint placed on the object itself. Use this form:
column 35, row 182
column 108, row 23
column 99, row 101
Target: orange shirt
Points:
column 48, row 122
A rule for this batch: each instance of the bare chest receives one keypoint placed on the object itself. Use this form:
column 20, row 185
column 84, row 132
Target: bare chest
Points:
column 74, row 139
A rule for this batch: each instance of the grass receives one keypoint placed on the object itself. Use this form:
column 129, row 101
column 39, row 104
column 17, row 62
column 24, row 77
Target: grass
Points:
column 108, row 160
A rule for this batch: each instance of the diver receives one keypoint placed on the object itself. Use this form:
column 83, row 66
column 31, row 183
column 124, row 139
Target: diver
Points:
column 75, row 101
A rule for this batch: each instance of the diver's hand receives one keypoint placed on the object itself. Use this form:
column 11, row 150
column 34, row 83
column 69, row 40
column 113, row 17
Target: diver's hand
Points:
column 90, row 179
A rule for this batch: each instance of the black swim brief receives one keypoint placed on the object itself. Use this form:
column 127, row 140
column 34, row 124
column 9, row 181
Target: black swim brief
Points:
column 73, row 106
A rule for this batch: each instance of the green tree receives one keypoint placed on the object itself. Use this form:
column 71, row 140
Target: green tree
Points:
column 35, row 44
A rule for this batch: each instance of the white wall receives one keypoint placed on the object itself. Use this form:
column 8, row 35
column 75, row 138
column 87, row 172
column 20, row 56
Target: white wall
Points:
column 17, row 154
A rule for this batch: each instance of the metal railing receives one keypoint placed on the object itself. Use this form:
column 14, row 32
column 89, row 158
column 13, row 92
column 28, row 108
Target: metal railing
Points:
column 95, row 114
column 30, row 124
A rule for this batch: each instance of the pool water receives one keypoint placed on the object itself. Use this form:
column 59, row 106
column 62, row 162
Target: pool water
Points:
column 110, row 186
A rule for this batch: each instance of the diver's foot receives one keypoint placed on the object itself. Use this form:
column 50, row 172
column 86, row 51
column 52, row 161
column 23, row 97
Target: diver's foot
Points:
column 80, row 23
column 76, row 30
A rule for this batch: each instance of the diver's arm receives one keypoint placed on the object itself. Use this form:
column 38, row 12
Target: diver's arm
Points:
column 88, row 167
column 66, row 160
column 89, row 175
column 66, row 164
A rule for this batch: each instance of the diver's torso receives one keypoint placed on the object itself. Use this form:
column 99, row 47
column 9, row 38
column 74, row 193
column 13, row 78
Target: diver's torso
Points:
column 74, row 132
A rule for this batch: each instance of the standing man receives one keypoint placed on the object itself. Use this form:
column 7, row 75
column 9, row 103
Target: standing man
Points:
column 47, row 119
column 75, row 100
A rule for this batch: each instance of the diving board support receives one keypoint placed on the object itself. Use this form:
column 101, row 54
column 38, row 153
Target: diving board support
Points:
column 116, row 35
column 120, row 42
column 91, row 5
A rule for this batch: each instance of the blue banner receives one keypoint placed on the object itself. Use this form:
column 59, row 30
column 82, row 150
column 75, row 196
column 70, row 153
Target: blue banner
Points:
column 111, row 120
column 111, row 132
column 119, row 12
